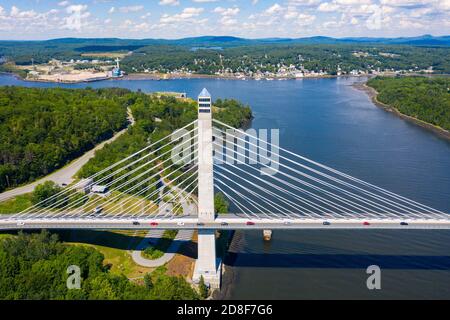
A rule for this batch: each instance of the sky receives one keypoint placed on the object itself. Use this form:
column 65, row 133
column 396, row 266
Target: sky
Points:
column 172, row 19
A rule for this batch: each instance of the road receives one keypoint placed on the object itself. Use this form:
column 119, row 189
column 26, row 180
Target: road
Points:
column 153, row 236
column 225, row 222
column 65, row 174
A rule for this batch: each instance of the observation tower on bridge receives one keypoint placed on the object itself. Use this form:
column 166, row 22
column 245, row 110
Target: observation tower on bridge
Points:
column 207, row 265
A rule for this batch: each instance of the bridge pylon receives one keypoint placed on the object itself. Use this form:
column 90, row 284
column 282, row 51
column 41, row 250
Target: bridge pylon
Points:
column 207, row 264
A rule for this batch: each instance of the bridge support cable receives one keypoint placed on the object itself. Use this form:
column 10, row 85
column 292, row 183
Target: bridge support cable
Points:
column 114, row 211
column 155, row 192
column 419, row 208
column 243, row 210
column 342, row 206
column 399, row 208
column 122, row 177
column 279, row 208
column 172, row 213
column 79, row 184
column 156, row 175
column 86, row 197
column 56, row 206
column 332, row 207
column 298, row 208
column 189, row 196
column 259, row 208
column 364, row 201
column 125, row 192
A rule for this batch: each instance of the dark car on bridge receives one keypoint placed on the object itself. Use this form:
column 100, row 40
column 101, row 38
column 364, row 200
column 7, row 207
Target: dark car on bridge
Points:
column 403, row 223
column 326, row 223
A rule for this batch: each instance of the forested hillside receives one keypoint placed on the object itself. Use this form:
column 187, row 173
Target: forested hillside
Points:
column 427, row 99
column 34, row 266
column 43, row 129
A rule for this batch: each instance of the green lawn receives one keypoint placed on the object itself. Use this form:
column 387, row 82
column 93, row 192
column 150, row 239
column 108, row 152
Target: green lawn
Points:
column 114, row 245
column 16, row 204
column 157, row 251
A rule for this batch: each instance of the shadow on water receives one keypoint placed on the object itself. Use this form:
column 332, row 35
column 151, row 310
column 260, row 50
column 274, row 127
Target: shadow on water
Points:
column 343, row 261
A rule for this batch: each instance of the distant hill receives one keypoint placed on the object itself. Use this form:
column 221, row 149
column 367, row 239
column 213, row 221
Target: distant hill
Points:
column 229, row 41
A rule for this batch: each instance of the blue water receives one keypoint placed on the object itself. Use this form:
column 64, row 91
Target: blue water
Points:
column 331, row 122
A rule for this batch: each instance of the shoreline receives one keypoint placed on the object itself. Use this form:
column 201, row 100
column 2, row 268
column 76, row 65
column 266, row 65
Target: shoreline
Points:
column 162, row 77
column 372, row 94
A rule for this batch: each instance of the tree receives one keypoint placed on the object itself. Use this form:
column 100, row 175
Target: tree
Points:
column 44, row 191
column 203, row 288
column 221, row 205
column 148, row 281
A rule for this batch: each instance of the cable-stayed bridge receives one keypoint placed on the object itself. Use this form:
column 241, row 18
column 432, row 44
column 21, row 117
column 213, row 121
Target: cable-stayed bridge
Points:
column 170, row 184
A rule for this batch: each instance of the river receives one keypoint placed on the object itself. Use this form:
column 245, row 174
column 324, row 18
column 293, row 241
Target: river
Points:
column 330, row 121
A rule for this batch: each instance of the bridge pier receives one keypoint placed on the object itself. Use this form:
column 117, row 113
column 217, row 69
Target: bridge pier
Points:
column 207, row 264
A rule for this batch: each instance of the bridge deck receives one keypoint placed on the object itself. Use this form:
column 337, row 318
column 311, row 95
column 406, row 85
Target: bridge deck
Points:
column 226, row 221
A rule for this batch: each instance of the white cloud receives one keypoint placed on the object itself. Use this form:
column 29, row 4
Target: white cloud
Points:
column 291, row 13
column 186, row 15
column 328, row 7
column 112, row 10
column 63, row 3
column 406, row 3
column 305, row 19
column 169, row 2
column 16, row 13
column 204, row 1
column 227, row 11
column 374, row 22
column 76, row 19
column 129, row 9
column 276, row 8
column 352, row 2
column 444, row 5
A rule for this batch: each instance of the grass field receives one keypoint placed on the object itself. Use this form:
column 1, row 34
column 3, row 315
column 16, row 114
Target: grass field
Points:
column 16, row 204
column 114, row 245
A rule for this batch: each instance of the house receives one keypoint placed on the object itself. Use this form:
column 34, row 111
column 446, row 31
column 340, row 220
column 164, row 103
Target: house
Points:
column 99, row 190
column 84, row 185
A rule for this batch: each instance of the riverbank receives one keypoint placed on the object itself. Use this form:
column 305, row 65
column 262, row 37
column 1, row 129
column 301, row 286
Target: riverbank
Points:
column 372, row 93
